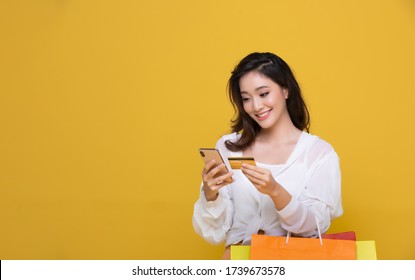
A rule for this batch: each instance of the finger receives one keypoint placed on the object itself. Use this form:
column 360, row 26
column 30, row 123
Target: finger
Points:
column 217, row 169
column 208, row 166
column 214, row 176
column 224, row 178
column 221, row 185
column 255, row 181
column 253, row 173
column 253, row 168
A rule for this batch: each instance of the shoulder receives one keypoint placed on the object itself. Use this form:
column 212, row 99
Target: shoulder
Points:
column 317, row 147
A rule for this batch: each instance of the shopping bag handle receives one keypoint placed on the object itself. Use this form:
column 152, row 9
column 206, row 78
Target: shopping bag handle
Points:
column 318, row 229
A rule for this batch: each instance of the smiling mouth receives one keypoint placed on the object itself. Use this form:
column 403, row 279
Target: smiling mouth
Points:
column 264, row 115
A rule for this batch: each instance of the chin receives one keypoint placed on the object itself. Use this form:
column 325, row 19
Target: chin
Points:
column 265, row 126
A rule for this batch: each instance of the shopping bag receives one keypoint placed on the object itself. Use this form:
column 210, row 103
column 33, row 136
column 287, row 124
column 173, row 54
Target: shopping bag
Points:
column 240, row 252
column 366, row 250
column 346, row 235
column 264, row 247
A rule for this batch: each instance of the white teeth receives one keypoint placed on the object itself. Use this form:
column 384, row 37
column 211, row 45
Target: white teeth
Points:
column 263, row 115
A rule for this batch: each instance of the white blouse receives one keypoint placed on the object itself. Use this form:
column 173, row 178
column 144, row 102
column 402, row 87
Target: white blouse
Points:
column 311, row 175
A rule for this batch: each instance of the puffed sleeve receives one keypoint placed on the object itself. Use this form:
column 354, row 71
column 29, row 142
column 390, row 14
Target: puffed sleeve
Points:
column 320, row 202
column 213, row 219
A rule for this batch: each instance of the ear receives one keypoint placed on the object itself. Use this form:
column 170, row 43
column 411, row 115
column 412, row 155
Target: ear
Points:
column 285, row 93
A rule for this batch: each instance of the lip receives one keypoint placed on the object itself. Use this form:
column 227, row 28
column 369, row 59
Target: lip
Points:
column 264, row 115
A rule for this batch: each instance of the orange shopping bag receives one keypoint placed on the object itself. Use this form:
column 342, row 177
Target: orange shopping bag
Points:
column 265, row 247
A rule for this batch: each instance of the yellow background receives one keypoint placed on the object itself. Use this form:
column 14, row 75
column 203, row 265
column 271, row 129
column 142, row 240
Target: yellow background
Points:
column 103, row 105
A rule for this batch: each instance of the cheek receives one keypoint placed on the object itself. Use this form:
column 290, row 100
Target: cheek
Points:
column 271, row 101
column 246, row 107
column 276, row 101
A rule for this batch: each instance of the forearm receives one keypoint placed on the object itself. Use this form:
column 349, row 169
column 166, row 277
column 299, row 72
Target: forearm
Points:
column 280, row 196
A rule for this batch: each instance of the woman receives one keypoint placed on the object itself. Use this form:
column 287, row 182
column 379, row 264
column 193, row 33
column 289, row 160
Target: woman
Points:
column 294, row 187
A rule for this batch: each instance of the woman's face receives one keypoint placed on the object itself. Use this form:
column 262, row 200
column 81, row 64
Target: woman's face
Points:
column 263, row 99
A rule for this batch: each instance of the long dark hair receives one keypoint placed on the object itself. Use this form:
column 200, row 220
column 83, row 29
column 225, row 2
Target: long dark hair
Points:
column 278, row 71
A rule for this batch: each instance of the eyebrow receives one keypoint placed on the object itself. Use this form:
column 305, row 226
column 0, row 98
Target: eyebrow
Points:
column 258, row 88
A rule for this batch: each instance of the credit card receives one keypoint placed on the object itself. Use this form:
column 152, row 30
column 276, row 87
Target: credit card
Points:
column 236, row 162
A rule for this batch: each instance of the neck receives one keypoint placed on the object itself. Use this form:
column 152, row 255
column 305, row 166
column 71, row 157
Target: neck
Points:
column 284, row 131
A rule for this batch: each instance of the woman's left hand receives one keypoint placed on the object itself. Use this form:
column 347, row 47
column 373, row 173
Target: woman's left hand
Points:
column 261, row 178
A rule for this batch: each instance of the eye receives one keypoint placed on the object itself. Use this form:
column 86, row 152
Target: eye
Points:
column 264, row 94
column 244, row 99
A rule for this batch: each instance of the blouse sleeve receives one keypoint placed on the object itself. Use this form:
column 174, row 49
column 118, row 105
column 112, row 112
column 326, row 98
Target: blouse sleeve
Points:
column 212, row 219
column 319, row 203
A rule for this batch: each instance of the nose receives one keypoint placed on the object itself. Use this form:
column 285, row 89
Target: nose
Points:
column 257, row 104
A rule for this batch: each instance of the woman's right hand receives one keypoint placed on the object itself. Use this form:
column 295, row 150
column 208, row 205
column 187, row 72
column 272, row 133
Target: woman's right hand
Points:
column 215, row 177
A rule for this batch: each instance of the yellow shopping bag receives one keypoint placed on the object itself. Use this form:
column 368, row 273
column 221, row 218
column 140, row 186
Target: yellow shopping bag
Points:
column 366, row 250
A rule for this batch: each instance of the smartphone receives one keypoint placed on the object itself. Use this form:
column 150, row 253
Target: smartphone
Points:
column 208, row 154
column 236, row 162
